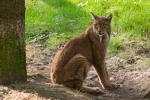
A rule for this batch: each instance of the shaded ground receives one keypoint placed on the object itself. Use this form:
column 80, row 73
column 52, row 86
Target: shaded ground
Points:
column 129, row 69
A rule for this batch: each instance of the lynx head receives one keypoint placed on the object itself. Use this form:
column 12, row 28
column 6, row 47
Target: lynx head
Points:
column 102, row 25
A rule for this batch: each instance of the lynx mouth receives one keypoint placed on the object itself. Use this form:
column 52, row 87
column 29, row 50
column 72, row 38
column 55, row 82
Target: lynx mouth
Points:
column 103, row 36
column 101, row 33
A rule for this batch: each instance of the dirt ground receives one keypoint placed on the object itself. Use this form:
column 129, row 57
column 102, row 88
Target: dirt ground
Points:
column 130, row 70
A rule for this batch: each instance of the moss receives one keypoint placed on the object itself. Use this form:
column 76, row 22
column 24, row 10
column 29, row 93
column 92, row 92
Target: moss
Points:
column 12, row 60
column 12, row 49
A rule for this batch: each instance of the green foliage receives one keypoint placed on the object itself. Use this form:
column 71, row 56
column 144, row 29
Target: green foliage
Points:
column 116, row 44
column 67, row 18
column 56, row 16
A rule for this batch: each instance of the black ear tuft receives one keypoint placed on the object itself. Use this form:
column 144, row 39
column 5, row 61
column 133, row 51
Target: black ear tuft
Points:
column 94, row 16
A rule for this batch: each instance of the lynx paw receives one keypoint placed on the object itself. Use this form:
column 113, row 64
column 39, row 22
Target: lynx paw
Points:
column 112, row 87
column 97, row 91
column 92, row 90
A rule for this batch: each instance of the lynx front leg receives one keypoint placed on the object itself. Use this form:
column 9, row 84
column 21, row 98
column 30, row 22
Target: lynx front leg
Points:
column 103, row 76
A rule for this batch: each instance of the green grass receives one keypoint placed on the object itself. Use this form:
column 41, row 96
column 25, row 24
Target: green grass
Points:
column 116, row 45
column 64, row 19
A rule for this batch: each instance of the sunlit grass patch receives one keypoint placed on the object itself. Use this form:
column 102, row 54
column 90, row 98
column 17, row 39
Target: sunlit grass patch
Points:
column 116, row 44
column 68, row 18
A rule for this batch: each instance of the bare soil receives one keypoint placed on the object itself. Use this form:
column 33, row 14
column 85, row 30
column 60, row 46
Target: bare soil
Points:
column 130, row 70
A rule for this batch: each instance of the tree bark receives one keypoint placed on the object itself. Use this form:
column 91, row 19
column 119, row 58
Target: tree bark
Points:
column 12, row 44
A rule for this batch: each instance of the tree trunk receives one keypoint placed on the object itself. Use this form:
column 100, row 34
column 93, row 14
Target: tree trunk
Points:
column 12, row 44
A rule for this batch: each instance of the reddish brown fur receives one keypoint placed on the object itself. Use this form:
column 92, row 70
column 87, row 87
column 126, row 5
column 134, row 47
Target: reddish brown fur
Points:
column 71, row 64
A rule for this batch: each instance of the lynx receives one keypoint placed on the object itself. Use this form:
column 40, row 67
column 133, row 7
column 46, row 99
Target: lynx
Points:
column 71, row 65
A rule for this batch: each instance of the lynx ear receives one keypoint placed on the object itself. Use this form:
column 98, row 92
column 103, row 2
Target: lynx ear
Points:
column 109, row 17
column 94, row 16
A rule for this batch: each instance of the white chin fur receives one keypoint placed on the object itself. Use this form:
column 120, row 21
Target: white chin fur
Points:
column 106, row 38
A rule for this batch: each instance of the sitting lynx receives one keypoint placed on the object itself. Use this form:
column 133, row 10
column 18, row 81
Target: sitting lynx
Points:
column 71, row 65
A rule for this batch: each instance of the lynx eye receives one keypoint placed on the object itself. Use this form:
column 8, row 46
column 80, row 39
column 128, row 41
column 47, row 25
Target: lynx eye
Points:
column 96, row 25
